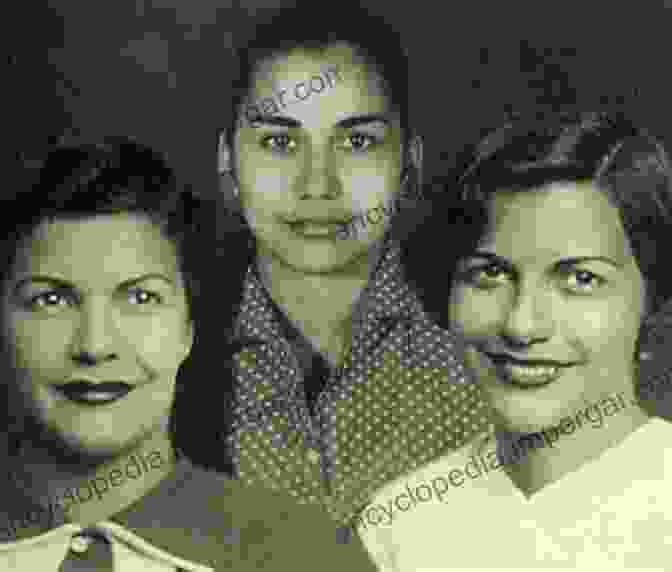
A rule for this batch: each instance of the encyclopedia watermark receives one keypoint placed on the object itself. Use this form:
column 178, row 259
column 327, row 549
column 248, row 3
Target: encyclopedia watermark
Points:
column 136, row 466
column 350, row 229
column 478, row 465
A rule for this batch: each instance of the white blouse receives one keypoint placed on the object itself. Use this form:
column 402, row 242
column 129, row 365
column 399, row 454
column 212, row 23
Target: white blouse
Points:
column 462, row 512
column 130, row 553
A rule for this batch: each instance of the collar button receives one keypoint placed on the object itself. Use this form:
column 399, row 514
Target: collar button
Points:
column 80, row 543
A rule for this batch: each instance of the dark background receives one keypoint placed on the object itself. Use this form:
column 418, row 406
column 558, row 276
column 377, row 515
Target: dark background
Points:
column 159, row 70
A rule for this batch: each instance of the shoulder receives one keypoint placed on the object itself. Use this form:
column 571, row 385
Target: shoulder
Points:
column 648, row 448
column 204, row 516
column 453, row 481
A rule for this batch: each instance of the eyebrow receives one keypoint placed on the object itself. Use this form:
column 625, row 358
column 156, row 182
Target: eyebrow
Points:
column 358, row 120
column 572, row 261
column 347, row 123
column 60, row 283
column 275, row 120
column 491, row 257
column 580, row 259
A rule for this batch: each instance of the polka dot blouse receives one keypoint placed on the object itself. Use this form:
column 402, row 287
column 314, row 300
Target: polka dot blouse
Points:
column 401, row 398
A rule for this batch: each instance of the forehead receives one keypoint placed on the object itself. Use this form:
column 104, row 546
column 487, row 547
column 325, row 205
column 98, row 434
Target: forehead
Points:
column 358, row 89
column 555, row 221
column 97, row 251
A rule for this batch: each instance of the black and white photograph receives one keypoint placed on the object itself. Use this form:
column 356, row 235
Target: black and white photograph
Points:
column 353, row 286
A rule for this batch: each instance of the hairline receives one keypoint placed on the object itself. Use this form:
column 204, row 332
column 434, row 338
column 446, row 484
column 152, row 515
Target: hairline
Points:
column 260, row 56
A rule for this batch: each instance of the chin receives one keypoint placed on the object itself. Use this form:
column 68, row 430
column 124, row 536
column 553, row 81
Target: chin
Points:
column 531, row 413
column 322, row 258
column 76, row 446
column 534, row 425
column 98, row 442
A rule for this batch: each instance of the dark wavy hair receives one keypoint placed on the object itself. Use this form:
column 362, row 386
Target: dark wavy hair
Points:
column 624, row 161
column 119, row 175
column 115, row 175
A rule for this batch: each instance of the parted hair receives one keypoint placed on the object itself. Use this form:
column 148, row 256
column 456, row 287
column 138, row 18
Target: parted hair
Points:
column 79, row 179
column 621, row 159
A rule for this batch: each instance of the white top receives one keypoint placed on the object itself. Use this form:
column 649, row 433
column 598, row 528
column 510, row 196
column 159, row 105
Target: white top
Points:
column 614, row 513
column 130, row 553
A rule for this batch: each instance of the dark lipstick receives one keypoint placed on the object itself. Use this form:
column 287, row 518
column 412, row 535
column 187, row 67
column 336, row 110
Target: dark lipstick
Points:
column 88, row 393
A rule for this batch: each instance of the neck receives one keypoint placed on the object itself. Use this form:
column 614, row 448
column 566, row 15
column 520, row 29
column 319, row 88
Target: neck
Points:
column 564, row 452
column 93, row 492
column 320, row 305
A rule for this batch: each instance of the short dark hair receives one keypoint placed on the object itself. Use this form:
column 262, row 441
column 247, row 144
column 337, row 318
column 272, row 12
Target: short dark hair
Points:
column 316, row 26
column 110, row 176
column 621, row 159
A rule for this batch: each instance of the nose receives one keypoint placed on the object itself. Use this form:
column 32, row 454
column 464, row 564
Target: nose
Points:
column 97, row 336
column 319, row 180
column 530, row 319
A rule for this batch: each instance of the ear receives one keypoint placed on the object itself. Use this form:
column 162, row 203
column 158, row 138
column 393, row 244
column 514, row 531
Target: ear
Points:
column 224, row 155
column 415, row 152
column 414, row 158
column 225, row 166
column 189, row 336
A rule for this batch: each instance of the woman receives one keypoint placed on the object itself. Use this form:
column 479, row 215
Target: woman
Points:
column 100, row 260
column 556, row 284
column 330, row 346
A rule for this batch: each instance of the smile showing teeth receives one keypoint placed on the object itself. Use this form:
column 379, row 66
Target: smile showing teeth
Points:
column 529, row 375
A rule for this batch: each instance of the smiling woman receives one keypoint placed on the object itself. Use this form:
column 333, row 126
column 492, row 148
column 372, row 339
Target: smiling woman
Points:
column 96, row 302
column 554, row 284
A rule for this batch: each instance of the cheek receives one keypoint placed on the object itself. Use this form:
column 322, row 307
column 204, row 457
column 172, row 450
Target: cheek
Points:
column 369, row 186
column 40, row 347
column 160, row 342
column 477, row 315
column 265, row 191
column 265, row 185
column 260, row 207
column 260, row 170
column 605, row 330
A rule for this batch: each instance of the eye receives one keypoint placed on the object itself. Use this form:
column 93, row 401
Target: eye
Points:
column 281, row 143
column 584, row 281
column 487, row 276
column 359, row 141
column 51, row 302
column 141, row 297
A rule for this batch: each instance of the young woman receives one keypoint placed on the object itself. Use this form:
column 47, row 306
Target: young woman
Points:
column 557, row 282
column 336, row 368
column 100, row 261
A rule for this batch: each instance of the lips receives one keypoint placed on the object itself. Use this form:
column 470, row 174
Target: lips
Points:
column 89, row 393
column 527, row 374
column 318, row 229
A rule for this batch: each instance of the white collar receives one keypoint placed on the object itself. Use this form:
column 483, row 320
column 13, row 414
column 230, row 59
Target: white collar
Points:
column 46, row 551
